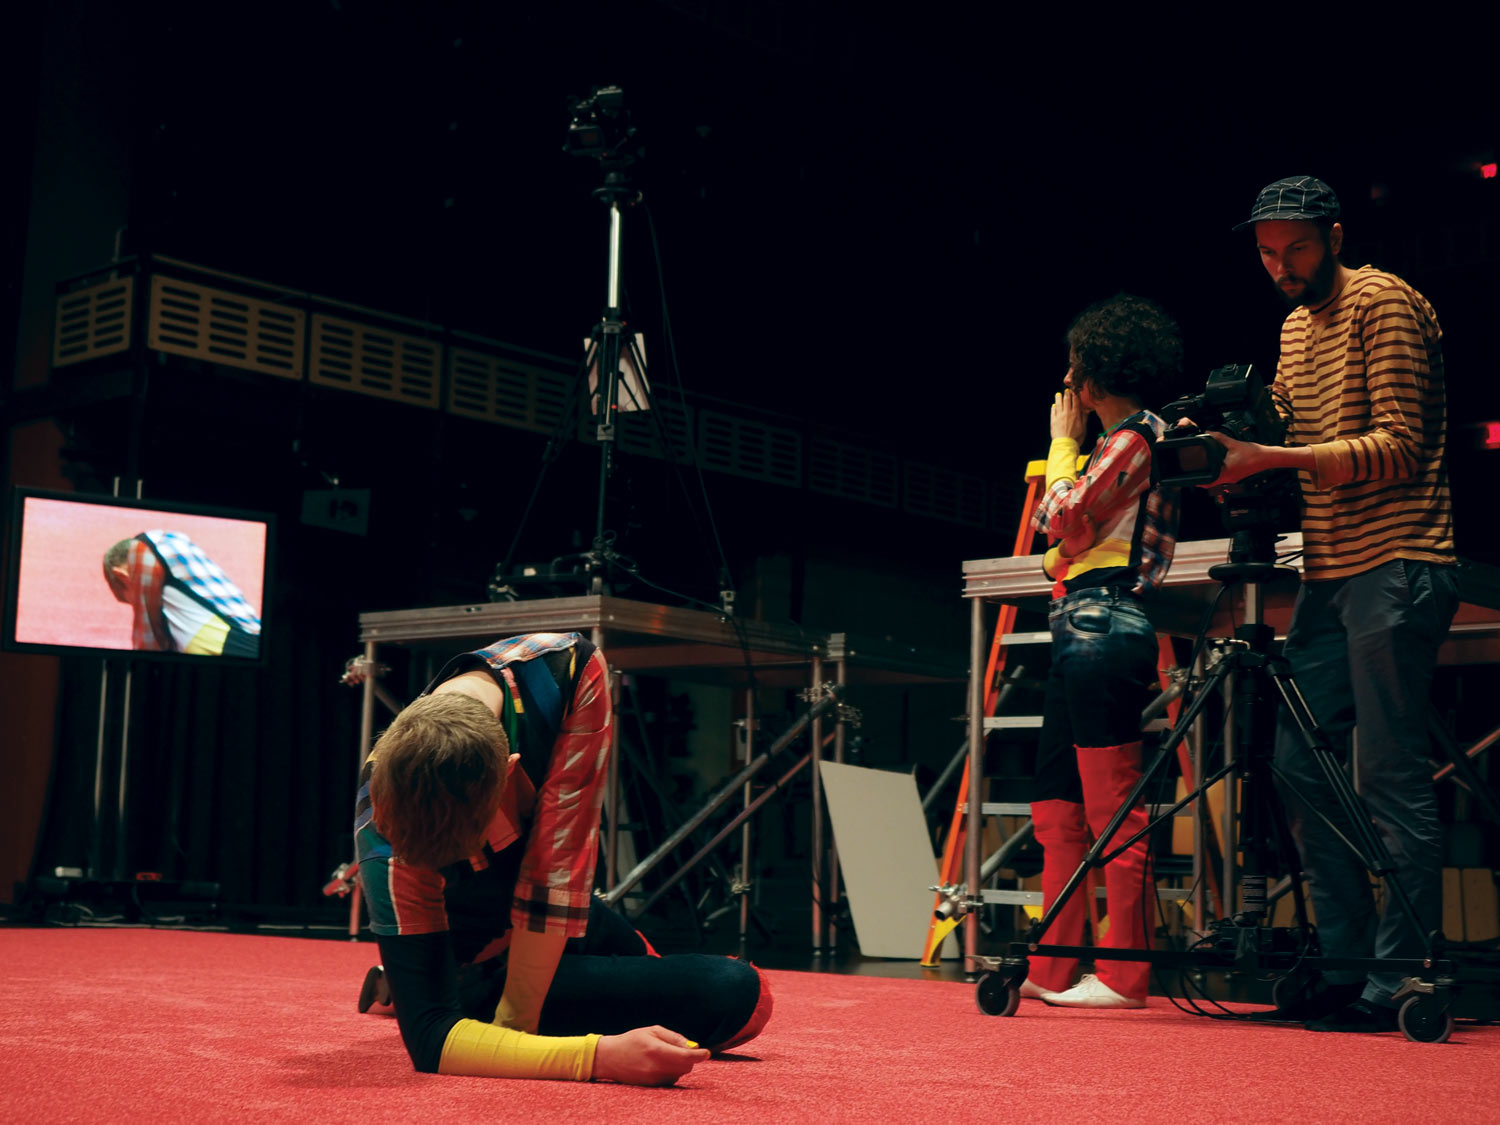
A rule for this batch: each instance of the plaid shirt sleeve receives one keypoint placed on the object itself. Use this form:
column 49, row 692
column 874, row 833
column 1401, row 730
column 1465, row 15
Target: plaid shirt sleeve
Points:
column 189, row 565
column 148, row 631
column 555, row 885
column 1116, row 476
column 1158, row 538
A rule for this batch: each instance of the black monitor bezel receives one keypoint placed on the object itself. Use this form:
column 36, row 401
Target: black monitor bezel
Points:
column 17, row 509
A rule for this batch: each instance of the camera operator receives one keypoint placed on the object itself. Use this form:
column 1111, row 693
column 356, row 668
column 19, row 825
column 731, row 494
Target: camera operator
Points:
column 1360, row 385
column 1113, row 532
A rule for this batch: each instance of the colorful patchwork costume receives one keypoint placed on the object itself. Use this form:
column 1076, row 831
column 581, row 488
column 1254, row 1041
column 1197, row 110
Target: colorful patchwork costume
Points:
column 445, row 935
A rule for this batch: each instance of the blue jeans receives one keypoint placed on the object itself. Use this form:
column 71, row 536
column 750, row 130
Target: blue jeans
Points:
column 1103, row 664
column 1362, row 650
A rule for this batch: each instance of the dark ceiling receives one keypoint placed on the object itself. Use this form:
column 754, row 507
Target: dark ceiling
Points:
column 881, row 221
column 887, row 221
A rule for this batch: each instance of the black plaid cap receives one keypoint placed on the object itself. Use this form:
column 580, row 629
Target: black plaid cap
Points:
column 1296, row 197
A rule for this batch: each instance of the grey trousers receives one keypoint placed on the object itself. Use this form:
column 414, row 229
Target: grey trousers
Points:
column 1362, row 651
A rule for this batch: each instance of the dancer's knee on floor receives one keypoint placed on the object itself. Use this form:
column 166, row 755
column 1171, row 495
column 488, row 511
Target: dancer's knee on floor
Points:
column 747, row 1006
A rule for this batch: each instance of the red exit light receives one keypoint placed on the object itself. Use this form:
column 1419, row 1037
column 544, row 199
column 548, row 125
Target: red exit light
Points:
column 1491, row 435
column 1490, row 170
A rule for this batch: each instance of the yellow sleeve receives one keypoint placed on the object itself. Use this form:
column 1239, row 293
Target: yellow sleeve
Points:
column 531, row 965
column 1062, row 460
column 1051, row 561
column 487, row 1051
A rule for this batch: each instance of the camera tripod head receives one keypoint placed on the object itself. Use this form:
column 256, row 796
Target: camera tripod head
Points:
column 1251, row 563
column 1252, row 557
column 600, row 128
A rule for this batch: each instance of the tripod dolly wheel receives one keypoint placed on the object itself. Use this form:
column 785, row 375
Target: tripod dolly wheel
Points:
column 1291, row 990
column 1425, row 1019
column 996, row 995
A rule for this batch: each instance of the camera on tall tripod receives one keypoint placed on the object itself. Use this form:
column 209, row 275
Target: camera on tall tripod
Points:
column 599, row 127
column 613, row 364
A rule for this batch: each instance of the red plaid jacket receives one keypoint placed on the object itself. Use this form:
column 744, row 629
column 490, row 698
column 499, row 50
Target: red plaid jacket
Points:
column 538, row 861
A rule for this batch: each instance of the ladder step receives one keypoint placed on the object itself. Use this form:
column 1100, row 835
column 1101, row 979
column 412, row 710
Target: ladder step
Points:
column 1012, row 722
column 1023, row 808
column 1034, row 898
column 1002, row 808
column 1042, row 638
column 1034, row 722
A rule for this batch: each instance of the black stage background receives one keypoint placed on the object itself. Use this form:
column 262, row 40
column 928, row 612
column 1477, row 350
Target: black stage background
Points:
column 880, row 223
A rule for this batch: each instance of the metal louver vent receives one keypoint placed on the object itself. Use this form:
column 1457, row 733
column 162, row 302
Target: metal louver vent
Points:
column 639, row 431
column 222, row 327
column 853, row 472
column 749, row 449
column 495, row 389
column 93, row 322
column 943, row 494
column 370, row 361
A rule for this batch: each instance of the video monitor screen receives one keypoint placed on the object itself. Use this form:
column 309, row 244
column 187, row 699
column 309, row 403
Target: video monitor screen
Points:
column 137, row 577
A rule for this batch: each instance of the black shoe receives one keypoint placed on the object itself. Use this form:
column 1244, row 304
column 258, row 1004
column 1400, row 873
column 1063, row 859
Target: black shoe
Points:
column 375, row 990
column 1324, row 1000
column 1358, row 1016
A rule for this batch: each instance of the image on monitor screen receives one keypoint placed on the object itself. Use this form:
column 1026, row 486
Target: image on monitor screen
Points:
column 134, row 577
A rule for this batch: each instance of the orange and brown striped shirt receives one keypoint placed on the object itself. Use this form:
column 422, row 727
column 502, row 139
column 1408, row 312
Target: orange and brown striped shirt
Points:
column 1360, row 380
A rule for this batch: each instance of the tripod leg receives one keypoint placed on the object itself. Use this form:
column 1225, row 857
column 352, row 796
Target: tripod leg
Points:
column 555, row 443
column 1111, row 834
column 1324, row 833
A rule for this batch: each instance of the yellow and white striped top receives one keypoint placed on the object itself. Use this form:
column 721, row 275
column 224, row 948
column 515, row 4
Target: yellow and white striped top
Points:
column 1360, row 380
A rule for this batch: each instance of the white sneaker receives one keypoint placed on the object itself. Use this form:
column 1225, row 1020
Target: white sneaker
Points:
column 1030, row 990
column 1090, row 992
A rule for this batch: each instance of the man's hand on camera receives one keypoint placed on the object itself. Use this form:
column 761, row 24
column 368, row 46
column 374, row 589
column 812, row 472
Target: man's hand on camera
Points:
column 1246, row 458
column 1241, row 459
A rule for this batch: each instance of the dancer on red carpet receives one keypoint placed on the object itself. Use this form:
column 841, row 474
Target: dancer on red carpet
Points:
column 477, row 865
column 1113, row 534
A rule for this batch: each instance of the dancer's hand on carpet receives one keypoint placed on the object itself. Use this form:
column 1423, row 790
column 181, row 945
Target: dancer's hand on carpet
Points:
column 647, row 1056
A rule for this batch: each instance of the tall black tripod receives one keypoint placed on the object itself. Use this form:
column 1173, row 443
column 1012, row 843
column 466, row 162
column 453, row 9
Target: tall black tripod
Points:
column 600, row 129
column 608, row 345
column 1257, row 681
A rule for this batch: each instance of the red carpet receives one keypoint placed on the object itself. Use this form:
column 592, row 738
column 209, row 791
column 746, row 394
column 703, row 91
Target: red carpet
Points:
column 165, row 1026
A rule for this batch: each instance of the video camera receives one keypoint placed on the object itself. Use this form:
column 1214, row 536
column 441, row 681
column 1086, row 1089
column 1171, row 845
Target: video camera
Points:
column 1234, row 402
column 600, row 126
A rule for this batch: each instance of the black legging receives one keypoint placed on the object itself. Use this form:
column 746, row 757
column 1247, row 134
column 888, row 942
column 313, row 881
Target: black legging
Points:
column 608, row 982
